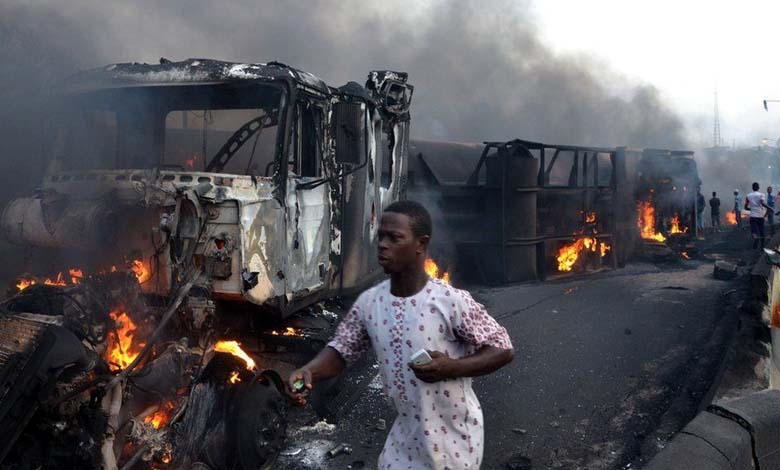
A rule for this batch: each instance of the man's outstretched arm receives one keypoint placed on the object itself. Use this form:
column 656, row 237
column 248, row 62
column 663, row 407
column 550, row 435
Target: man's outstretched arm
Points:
column 327, row 364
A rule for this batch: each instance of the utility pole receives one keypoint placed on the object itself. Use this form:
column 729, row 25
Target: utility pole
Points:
column 716, row 140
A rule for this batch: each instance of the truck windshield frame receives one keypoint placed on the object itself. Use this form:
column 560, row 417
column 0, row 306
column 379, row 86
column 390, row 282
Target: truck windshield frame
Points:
column 155, row 127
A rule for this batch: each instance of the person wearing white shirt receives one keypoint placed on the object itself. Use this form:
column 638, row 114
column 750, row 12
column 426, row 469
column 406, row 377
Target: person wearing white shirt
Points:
column 755, row 202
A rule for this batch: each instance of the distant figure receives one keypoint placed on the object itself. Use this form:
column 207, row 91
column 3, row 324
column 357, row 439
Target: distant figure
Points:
column 700, row 204
column 755, row 202
column 770, row 216
column 715, row 211
column 737, row 209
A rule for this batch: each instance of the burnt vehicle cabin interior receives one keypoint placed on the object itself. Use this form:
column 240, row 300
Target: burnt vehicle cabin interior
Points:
column 187, row 206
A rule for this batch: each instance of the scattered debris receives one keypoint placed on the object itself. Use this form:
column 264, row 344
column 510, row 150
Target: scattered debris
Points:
column 725, row 271
column 381, row 424
column 339, row 450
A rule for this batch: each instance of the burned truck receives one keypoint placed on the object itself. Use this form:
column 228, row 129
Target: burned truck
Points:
column 178, row 194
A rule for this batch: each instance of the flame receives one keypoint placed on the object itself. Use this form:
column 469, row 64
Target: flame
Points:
column 646, row 222
column 676, row 225
column 234, row 348
column 122, row 349
column 166, row 458
column 590, row 217
column 190, row 162
column 76, row 275
column 432, row 269
column 289, row 331
column 160, row 417
column 685, row 255
column 569, row 254
column 234, row 378
column 57, row 281
column 604, row 248
column 140, row 270
column 731, row 218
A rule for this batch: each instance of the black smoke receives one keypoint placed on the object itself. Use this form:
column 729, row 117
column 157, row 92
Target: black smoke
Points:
column 480, row 70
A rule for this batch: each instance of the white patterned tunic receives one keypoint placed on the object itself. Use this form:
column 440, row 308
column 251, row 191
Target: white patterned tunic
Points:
column 439, row 425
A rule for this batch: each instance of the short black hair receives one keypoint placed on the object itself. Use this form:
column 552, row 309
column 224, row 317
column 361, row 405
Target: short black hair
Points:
column 755, row 186
column 419, row 217
column 713, row 194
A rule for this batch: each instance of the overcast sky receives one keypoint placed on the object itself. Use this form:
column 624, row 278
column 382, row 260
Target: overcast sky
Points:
column 686, row 48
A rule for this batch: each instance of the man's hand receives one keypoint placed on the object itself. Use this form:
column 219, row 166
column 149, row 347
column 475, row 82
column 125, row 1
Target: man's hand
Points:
column 440, row 368
column 297, row 394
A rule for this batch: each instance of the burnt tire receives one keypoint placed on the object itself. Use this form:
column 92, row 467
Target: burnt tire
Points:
column 260, row 420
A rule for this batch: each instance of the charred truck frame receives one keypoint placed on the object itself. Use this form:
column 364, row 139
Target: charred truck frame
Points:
column 522, row 210
column 261, row 174
column 173, row 190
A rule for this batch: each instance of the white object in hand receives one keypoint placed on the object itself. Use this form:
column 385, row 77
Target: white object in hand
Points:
column 421, row 357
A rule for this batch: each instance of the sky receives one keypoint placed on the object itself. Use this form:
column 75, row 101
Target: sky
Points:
column 688, row 49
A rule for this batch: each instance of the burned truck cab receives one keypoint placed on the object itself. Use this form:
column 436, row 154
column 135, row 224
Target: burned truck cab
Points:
column 261, row 176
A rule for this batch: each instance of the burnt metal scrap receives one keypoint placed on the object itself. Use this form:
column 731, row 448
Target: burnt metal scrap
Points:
column 192, row 205
column 522, row 210
column 261, row 173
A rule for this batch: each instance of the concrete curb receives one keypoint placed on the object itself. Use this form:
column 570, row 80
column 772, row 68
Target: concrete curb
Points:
column 740, row 434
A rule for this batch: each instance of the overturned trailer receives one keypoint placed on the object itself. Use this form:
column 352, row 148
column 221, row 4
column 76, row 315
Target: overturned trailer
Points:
column 187, row 202
column 520, row 210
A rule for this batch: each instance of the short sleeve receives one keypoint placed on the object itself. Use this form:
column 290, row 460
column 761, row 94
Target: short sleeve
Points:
column 472, row 324
column 351, row 339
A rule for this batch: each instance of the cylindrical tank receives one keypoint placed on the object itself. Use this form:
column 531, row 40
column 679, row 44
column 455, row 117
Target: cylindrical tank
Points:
column 59, row 224
column 520, row 214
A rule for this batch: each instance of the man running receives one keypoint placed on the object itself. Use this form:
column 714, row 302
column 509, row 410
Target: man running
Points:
column 439, row 423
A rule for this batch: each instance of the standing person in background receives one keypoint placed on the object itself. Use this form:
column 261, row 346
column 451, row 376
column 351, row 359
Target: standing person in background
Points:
column 737, row 208
column 770, row 215
column 700, row 204
column 715, row 211
column 755, row 202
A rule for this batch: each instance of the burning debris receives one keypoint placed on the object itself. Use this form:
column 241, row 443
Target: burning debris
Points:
column 432, row 269
column 647, row 222
column 568, row 255
column 196, row 225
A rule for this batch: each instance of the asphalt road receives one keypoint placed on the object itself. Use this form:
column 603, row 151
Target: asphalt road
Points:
column 606, row 368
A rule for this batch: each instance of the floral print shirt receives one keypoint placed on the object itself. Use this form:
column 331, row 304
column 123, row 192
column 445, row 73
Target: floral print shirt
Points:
column 439, row 425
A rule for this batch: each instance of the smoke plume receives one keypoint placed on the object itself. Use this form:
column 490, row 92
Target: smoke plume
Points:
column 480, row 70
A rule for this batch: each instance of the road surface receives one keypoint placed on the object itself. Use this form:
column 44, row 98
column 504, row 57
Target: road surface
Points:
column 606, row 368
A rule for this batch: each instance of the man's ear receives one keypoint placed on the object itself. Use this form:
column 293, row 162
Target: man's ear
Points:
column 422, row 243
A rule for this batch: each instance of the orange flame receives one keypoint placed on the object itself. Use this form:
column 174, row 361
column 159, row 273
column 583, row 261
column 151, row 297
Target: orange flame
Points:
column 234, row 348
column 122, row 349
column 289, row 331
column 646, row 222
column 140, row 270
column 160, row 417
column 590, row 217
column 731, row 218
column 190, row 162
column 569, row 254
column 76, row 275
column 604, row 248
column 432, row 269
column 676, row 225
column 234, row 378
column 57, row 281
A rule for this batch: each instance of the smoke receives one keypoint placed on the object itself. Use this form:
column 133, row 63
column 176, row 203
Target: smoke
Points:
column 480, row 70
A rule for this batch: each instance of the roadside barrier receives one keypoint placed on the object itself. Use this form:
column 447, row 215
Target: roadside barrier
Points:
column 739, row 434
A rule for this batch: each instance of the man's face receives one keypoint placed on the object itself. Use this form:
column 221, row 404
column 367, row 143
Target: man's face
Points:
column 399, row 249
